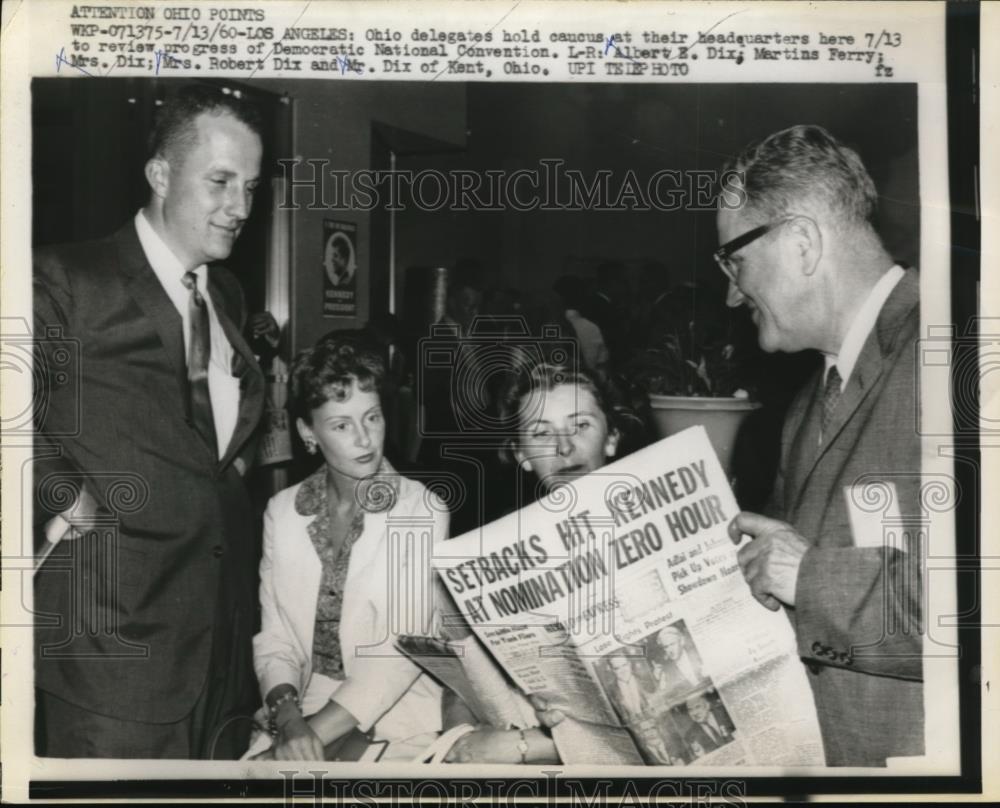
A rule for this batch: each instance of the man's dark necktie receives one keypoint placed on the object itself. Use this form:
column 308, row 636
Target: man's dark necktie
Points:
column 831, row 394
column 199, row 351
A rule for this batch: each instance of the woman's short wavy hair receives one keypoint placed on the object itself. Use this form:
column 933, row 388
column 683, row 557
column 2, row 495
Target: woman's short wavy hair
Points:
column 327, row 371
column 546, row 376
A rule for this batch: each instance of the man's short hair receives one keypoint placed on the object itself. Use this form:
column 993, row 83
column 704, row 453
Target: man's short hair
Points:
column 804, row 162
column 696, row 698
column 174, row 130
column 672, row 630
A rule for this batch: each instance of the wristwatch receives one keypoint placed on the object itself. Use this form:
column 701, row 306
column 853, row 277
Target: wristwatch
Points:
column 522, row 747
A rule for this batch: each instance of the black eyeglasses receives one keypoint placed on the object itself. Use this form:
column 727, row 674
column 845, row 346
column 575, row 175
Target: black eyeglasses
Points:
column 723, row 255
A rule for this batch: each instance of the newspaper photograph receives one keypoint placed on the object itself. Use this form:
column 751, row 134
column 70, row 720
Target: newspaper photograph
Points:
column 580, row 401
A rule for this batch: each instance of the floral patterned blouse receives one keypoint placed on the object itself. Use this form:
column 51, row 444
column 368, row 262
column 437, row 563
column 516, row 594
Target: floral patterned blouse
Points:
column 312, row 500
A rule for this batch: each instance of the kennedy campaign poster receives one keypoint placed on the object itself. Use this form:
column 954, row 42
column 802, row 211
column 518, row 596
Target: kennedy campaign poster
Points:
column 340, row 269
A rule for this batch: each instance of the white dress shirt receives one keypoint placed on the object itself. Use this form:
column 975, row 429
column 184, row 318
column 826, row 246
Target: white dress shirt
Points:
column 223, row 387
column 861, row 326
column 631, row 696
column 687, row 668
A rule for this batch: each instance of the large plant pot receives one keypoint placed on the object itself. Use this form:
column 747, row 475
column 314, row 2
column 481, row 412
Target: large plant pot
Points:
column 721, row 417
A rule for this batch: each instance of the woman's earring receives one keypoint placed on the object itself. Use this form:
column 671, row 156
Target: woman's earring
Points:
column 311, row 446
column 611, row 446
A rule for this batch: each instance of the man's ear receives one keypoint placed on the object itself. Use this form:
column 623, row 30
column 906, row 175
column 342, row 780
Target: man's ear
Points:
column 158, row 175
column 808, row 242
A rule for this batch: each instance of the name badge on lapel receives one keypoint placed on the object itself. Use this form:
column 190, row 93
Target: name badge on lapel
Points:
column 873, row 509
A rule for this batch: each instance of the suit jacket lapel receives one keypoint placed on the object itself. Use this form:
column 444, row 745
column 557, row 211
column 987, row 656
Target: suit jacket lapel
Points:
column 148, row 293
column 245, row 369
column 863, row 378
column 872, row 361
column 866, row 373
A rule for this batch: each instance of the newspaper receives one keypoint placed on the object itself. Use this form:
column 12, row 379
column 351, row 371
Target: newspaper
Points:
column 467, row 669
column 619, row 600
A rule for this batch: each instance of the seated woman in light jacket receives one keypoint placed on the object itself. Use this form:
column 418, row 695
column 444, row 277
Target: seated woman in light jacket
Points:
column 339, row 548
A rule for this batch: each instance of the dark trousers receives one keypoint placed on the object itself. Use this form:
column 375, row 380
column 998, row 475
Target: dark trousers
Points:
column 218, row 726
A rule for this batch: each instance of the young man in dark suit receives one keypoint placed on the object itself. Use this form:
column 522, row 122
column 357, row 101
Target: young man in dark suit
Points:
column 799, row 249
column 628, row 686
column 146, row 608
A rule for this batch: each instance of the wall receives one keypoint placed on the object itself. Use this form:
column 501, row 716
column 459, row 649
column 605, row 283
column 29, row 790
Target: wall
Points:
column 644, row 128
column 638, row 128
column 333, row 120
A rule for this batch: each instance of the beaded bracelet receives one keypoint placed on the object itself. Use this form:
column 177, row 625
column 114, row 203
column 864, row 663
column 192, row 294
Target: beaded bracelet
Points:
column 272, row 710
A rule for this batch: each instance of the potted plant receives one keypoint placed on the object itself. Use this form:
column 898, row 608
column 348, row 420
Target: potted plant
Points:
column 693, row 373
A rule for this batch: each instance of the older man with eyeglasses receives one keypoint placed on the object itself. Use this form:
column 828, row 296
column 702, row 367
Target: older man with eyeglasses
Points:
column 800, row 251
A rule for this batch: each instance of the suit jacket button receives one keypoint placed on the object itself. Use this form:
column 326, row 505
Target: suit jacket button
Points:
column 217, row 551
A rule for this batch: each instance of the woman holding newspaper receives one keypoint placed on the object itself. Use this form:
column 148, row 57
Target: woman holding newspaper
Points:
column 334, row 561
column 568, row 426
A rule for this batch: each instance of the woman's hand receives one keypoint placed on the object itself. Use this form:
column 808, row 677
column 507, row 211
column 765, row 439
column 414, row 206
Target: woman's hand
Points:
column 262, row 326
column 486, row 745
column 548, row 718
column 297, row 741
